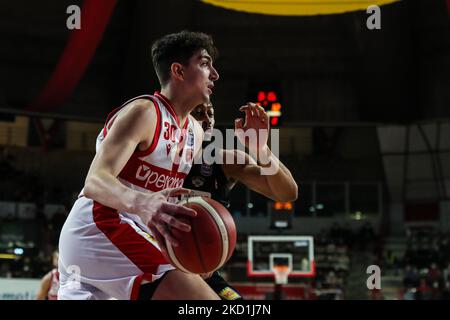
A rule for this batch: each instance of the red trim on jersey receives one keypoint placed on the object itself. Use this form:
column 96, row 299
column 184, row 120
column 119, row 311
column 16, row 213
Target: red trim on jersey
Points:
column 140, row 251
column 167, row 104
column 110, row 115
column 186, row 123
column 140, row 153
column 136, row 287
column 169, row 107
column 180, row 150
column 114, row 112
column 143, row 153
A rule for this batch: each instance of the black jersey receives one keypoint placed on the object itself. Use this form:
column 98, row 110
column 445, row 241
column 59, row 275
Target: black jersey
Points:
column 210, row 178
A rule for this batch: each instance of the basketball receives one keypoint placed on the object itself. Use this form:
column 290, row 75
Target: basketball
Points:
column 211, row 241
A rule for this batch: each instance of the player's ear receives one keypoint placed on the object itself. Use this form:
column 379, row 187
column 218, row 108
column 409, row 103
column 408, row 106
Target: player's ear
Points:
column 177, row 70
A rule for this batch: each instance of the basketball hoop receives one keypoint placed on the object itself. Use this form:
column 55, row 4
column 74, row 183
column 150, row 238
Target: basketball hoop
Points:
column 281, row 273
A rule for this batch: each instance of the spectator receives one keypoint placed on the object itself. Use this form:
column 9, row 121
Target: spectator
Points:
column 411, row 278
column 446, row 273
column 410, row 294
column 424, row 291
column 390, row 260
column 434, row 274
column 446, row 292
column 332, row 280
column 305, row 264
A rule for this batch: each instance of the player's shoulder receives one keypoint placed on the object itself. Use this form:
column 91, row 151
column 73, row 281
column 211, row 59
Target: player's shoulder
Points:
column 139, row 110
column 141, row 106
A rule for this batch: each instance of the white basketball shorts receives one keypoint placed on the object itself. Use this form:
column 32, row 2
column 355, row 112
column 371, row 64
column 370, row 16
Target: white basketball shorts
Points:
column 104, row 254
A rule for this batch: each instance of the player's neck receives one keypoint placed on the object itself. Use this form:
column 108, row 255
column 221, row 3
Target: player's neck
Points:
column 180, row 104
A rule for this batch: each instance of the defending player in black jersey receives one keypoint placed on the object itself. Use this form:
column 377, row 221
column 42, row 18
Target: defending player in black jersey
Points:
column 219, row 179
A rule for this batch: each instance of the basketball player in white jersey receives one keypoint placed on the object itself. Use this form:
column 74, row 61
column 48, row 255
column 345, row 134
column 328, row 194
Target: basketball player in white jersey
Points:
column 107, row 244
column 50, row 282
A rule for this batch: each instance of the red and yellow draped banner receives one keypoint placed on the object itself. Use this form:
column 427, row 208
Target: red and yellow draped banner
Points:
column 77, row 55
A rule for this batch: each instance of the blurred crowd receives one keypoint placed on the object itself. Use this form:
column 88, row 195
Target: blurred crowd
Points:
column 31, row 239
column 25, row 186
column 334, row 250
column 425, row 266
column 34, row 264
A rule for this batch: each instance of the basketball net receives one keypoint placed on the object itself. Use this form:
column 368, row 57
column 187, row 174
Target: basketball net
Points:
column 281, row 274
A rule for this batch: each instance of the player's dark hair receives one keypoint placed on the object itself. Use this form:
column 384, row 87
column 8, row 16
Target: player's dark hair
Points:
column 179, row 47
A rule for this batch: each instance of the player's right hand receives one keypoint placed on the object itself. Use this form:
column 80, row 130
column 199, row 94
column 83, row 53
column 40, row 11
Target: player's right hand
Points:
column 256, row 120
column 162, row 216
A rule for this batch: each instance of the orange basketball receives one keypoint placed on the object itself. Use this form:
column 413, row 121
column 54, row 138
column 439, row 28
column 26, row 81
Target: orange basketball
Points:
column 211, row 241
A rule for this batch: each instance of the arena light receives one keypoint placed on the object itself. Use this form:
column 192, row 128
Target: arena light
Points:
column 278, row 205
column 268, row 96
column 271, row 96
column 358, row 215
column 274, row 114
column 280, row 214
column 274, row 122
column 301, row 243
column 276, row 107
column 7, row 256
column 287, row 206
column 261, row 96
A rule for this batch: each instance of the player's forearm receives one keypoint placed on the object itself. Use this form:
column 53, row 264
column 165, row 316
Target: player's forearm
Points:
column 109, row 191
column 44, row 288
column 40, row 296
column 281, row 183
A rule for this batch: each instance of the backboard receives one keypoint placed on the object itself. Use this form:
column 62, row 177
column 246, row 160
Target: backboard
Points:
column 297, row 252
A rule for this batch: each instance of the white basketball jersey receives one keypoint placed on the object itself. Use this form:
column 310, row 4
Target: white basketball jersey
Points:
column 168, row 160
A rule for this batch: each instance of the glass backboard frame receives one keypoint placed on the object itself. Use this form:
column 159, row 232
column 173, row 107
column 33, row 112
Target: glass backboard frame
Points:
column 251, row 272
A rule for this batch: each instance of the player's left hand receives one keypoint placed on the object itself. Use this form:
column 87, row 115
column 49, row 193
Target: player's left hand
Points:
column 255, row 119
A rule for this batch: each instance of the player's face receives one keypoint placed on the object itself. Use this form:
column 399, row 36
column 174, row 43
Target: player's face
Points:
column 205, row 114
column 200, row 76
